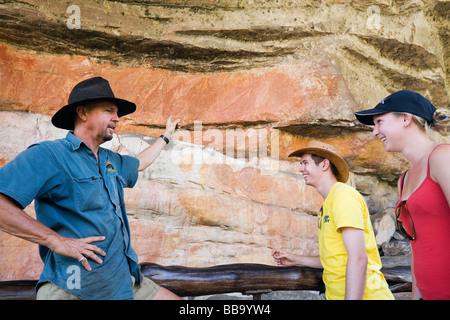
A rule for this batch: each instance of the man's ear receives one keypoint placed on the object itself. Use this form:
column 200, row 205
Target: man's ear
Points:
column 81, row 112
column 325, row 164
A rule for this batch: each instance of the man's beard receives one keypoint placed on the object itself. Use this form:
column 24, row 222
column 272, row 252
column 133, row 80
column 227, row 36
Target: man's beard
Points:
column 107, row 136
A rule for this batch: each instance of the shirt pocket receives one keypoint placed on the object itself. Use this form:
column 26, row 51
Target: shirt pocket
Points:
column 90, row 193
column 118, row 183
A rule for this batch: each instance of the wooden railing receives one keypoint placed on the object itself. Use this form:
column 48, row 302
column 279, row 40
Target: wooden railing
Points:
column 250, row 279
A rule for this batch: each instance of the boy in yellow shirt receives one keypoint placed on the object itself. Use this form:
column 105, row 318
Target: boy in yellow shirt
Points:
column 348, row 251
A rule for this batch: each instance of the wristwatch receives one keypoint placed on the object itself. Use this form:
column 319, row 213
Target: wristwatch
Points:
column 165, row 138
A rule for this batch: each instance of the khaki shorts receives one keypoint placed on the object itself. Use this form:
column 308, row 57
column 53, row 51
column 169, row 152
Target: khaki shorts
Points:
column 50, row 291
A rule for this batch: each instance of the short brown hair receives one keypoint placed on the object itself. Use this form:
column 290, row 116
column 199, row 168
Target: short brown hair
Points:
column 319, row 159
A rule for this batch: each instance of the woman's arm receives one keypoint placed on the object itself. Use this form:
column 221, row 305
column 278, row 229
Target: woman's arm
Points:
column 440, row 169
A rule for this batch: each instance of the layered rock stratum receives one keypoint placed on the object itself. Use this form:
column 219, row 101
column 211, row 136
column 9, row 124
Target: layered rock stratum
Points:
column 251, row 81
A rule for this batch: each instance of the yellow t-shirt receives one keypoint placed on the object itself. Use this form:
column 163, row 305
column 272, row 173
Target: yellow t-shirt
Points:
column 345, row 207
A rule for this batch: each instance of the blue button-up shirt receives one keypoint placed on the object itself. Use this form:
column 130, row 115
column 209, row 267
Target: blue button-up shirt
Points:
column 78, row 197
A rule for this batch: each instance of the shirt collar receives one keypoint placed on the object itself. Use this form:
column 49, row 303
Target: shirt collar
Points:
column 74, row 141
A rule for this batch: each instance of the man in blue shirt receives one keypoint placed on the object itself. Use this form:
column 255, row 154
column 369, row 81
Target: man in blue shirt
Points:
column 82, row 227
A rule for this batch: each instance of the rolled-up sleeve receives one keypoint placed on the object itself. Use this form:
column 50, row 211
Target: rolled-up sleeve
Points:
column 30, row 175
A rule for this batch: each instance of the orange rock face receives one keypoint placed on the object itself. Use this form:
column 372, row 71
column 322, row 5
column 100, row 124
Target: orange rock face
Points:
column 304, row 90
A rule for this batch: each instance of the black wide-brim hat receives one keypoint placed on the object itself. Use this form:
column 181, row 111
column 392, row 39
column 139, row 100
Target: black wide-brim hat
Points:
column 89, row 90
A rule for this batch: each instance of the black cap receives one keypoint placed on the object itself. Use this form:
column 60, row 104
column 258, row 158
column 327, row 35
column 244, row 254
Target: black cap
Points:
column 401, row 101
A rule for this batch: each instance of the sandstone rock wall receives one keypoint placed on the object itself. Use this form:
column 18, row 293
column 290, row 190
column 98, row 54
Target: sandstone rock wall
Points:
column 251, row 80
column 193, row 206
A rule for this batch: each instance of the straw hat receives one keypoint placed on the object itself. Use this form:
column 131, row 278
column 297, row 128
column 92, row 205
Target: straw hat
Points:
column 328, row 152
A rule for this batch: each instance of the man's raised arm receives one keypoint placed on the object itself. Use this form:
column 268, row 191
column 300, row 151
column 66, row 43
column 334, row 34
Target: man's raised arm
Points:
column 149, row 155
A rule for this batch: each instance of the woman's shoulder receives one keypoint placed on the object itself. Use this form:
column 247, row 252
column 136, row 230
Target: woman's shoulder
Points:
column 440, row 152
column 438, row 160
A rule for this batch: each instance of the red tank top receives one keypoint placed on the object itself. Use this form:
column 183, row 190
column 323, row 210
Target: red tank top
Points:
column 430, row 213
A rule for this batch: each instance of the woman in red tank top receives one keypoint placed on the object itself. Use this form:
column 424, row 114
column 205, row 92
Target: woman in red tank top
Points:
column 402, row 121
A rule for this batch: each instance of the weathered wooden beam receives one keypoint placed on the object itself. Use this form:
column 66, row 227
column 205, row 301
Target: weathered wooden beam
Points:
column 232, row 278
column 17, row 290
column 244, row 278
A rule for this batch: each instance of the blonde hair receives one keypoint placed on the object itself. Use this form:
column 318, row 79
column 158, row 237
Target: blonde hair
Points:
column 438, row 129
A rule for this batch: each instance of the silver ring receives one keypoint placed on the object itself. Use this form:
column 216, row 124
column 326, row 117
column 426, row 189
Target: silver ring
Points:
column 81, row 259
